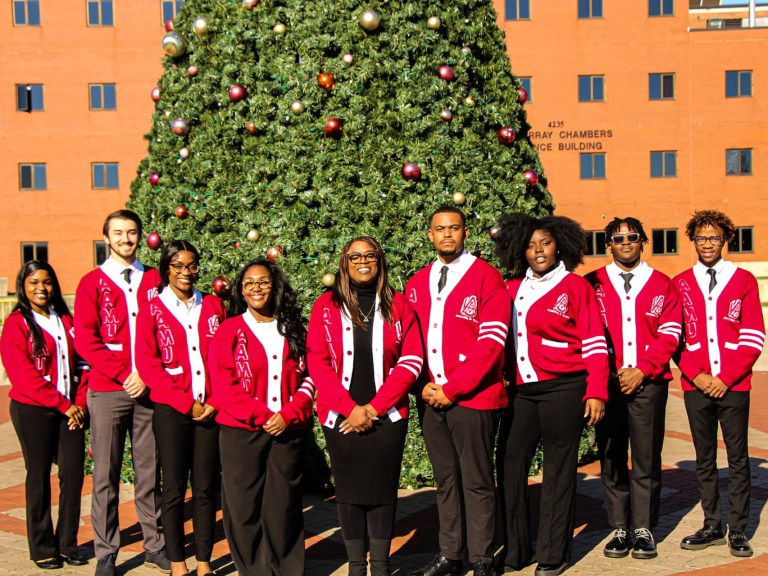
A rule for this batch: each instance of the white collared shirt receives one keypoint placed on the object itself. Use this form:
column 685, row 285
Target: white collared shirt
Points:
column 114, row 270
column 55, row 328
column 274, row 344
column 188, row 315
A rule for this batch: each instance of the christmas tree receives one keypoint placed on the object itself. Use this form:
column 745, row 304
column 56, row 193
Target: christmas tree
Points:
column 283, row 128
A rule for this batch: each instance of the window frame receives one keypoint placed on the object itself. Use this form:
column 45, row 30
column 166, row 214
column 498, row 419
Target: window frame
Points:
column 99, row 5
column 661, row 87
column 735, row 246
column 596, row 246
column 170, row 7
column 517, row 10
column 25, row 21
column 100, row 248
column 35, row 247
column 594, row 166
column 665, row 8
column 592, row 7
column 590, row 86
column 664, row 158
column 662, row 248
column 36, row 95
column 740, row 89
column 742, row 152
column 103, row 89
column 105, row 166
column 527, row 84
column 37, row 171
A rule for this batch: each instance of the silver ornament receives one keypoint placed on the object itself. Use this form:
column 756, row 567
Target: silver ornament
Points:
column 297, row 107
column 174, row 44
column 200, row 26
column 370, row 20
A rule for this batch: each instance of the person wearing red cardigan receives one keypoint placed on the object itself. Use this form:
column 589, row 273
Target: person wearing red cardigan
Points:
column 364, row 353
column 724, row 334
column 558, row 360
column 173, row 337
column 48, row 411
column 265, row 402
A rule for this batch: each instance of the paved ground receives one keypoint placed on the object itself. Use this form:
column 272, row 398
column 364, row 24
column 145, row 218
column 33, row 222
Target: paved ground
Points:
column 416, row 527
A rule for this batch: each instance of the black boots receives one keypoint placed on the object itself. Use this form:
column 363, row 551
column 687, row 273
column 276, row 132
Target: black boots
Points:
column 356, row 553
column 380, row 557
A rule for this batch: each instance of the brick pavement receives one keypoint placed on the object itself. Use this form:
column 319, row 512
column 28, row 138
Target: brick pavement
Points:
column 416, row 528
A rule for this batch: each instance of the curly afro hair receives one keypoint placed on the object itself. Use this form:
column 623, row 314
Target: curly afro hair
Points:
column 516, row 230
column 713, row 218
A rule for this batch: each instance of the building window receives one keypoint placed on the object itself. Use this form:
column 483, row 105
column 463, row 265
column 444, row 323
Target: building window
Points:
column 26, row 12
column 34, row 251
column 517, row 9
column 105, row 175
column 661, row 8
column 592, row 166
column 590, row 8
column 738, row 162
column 29, row 97
column 100, row 13
column 664, row 164
column 100, row 252
column 738, row 83
column 591, row 88
column 742, row 240
column 664, row 241
column 595, row 243
column 526, row 82
column 170, row 9
column 661, row 86
column 32, row 177
column 103, row 96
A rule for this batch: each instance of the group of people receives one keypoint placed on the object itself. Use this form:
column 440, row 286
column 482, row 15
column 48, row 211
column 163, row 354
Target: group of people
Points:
column 494, row 365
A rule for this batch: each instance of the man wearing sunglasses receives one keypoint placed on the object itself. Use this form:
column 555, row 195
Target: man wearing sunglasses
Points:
column 724, row 335
column 642, row 318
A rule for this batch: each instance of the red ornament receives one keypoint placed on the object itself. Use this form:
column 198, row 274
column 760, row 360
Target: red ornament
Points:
column 505, row 135
column 237, row 93
column 531, row 178
column 169, row 25
column 326, row 81
column 411, row 171
column 333, row 127
column 90, row 451
column 154, row 241
column 522, row 95
column 192, row 70
column 220, row 285
column 274, row 252
column 250, row 127
column 181, row 212
column 237, row 245
column 494, row 232
column 155, row 94
column 154, row 178
column 445, row 72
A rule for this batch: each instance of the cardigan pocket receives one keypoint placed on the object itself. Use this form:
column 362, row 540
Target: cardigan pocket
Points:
column 731, row 346
column 175, row 371
column 692, row 347
column 114, row 347
column 553, row 343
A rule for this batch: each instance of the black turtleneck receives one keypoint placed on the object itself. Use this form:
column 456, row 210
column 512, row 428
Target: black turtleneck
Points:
column 363, row 387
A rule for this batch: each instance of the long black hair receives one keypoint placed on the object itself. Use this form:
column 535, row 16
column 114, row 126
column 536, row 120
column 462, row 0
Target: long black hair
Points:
column 288, row 315
column 23, row 305
column 516, row 230
column 170, row 250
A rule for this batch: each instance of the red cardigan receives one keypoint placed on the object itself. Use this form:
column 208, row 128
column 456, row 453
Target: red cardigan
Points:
column 103, row 335
column 33, row 380
column 397, row 356
column 724, row 331
column 238, row 366
column 162, row 351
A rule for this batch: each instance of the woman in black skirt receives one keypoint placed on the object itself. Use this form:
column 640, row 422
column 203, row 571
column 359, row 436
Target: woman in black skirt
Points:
column 364, row 353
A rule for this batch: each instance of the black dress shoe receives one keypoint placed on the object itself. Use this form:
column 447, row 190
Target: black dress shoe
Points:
column 483, row 569
column 618, row 547
column 74, row 559
column 440, row 566
column 739, row 544
column 707, row 536
column 644, row 548
column 48, row 564
column 550, row 569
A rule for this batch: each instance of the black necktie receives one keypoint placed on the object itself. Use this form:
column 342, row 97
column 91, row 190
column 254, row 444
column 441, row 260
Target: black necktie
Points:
column 443, row 279
column 712, row 281
column 127, row 275
column 627, row 277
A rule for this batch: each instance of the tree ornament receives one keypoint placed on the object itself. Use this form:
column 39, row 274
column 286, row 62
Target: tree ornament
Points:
column 273, row 252
column 253, row 235
column 470, row 101
column 280, row 29
column 466, row 50
column 237, row 93
column 154, row 241
column 445, row 72
column 200, row 26
column 348, row 58
column 181, row 212
column 192, row 71
column 531, row 178
column 236, row 245
column 155, row 94
column 522, row 95
column 411, row 171
column 184, row 152
column 154, row 178
column 250, row 127
column 370, row 20
column 494, row 232
column 180, row 127
column 329, row 279
column 326, row 81
column 333, row 127
column 169, row 25
column 297, row 107
column 505, row 135
column 434, row 23
column 220, row 285
column 250, row 4
column 446, row 115
column 459, row 199
column 174, row 44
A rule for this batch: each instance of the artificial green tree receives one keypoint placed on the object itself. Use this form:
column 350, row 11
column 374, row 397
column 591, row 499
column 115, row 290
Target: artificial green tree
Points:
column 286, row 127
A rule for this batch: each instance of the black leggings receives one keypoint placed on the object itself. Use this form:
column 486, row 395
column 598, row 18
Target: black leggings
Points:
column 359, row 521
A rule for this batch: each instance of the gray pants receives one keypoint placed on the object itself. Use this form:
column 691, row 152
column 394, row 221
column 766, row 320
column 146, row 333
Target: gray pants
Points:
column 113, row 414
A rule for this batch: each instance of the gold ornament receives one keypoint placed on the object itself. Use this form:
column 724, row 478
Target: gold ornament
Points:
column 370, row 20
column 434, row 23
column 200, row 26
column 253, row 235
column 280, row 28
column 459, row 198
column 174, row 44
column 297, row 107
column 250, row 4
column 470, row 101
column 328, row 280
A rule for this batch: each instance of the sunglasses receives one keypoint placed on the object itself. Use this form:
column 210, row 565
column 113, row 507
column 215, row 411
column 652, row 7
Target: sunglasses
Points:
column 632, row 237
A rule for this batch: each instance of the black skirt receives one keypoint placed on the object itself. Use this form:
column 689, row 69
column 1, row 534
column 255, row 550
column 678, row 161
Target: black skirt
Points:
column 366, row 467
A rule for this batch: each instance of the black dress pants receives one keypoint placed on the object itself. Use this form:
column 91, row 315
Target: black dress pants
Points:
column 44, row 435
column 187, row 447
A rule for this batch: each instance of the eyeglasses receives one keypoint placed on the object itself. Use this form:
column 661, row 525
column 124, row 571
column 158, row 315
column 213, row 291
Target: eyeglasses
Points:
column 356, row 257
column 632, row 237
column 715, row 240
column 178, row 267
column 251, row 285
